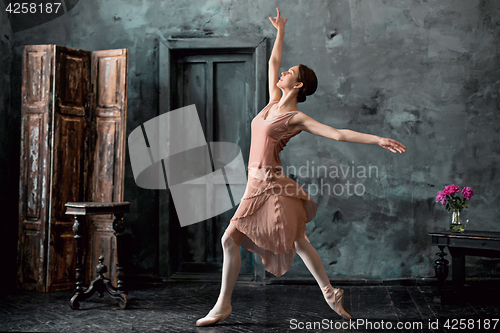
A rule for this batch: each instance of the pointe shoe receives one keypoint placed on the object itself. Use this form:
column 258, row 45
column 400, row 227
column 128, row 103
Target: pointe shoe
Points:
column 210, row 320
column 334, row 297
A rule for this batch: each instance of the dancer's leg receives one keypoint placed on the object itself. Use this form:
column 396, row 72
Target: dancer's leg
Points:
column 333, row 296
column 312, row 260
column 230, row 270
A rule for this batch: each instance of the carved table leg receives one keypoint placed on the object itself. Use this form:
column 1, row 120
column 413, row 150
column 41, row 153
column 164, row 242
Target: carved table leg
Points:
column 119, row 227
column 77, row 229
column 441, row 268
column 98, row 285
column 441, row 265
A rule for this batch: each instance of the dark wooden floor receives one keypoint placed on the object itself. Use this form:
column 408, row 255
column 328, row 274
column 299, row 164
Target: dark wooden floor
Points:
column 175, row 307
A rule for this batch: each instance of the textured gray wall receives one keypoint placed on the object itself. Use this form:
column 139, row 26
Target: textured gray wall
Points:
column 423, row 72
column 9, row 154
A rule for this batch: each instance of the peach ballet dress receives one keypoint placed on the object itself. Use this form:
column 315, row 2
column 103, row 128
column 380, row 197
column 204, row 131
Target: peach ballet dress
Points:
column 274, row 209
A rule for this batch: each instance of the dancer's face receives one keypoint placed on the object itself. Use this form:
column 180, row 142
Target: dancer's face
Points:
column 289, row 79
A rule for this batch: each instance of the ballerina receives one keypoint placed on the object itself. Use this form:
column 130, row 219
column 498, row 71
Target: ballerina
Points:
column 273, row 224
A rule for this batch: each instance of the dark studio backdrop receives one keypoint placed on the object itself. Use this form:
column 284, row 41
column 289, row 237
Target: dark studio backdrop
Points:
column 426, row 73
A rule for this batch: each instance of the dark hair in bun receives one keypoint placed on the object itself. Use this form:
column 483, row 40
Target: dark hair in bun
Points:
column 309, row 80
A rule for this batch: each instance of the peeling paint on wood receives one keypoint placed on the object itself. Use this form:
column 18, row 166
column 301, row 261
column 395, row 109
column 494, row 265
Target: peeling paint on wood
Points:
column 58, row 160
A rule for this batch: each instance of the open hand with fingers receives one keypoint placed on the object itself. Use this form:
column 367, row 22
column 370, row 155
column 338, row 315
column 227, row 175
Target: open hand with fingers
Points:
column 278, row 21
column 392, row 145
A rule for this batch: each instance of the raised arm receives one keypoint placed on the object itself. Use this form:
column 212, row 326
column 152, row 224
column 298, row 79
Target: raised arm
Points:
column 275, row 59
column 303, row 122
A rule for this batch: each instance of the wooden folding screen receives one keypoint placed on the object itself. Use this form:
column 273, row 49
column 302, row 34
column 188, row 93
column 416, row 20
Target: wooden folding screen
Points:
column 74, row 106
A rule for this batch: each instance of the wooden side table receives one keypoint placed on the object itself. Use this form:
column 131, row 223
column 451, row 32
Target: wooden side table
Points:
column 460, row 244
column 101, row 284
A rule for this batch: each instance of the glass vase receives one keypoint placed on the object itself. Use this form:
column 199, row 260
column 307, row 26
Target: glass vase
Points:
column 456, row 221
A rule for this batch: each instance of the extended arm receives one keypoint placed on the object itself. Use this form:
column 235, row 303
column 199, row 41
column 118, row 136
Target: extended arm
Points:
column 276, row 55
column 303, row 122
column 352, row 136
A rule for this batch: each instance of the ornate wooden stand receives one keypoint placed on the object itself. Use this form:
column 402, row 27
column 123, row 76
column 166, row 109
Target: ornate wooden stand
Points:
column 100, row 284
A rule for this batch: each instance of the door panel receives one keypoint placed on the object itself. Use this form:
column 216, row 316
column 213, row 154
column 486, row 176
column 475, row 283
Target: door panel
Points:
column 106, row 161
column 233, row 99
column 221, row 87
column 70, row 132
column 34, row 166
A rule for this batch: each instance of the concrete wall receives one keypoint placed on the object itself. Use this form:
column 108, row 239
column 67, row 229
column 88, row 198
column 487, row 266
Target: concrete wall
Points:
column 9, row 154
column 425, row 73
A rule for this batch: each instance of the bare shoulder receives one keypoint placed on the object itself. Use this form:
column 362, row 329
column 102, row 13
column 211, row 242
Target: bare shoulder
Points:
column 302, row 122
column 297, row 121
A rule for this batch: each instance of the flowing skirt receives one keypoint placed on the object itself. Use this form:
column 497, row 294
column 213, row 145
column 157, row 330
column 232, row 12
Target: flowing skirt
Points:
column 271, row 216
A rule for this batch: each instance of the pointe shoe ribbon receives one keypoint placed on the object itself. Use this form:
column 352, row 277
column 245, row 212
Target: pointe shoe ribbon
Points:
column 210, row 320
column 334, row 297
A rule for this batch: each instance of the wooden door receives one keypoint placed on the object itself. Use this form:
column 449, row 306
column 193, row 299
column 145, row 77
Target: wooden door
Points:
column 69, row 170
column 221, row 85
column 34, row 175
column 54, row 138
column 107, row 153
